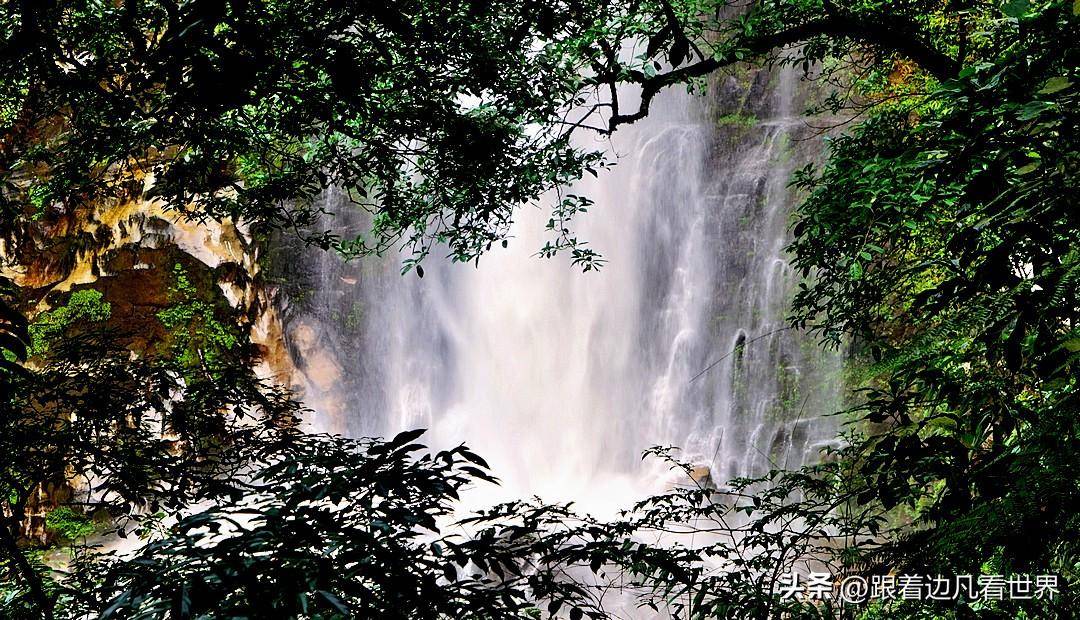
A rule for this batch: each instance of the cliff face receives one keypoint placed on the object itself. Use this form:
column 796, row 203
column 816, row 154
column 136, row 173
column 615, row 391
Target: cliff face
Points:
column 127, row 257
column 129, row 252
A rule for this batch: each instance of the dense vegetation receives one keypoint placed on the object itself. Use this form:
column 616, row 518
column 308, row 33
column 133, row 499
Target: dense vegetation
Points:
column 943, row 237
column 937, row 238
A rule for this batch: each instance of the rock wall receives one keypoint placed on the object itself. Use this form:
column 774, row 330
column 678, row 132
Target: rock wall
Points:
column 127, row 250
column 130, row 251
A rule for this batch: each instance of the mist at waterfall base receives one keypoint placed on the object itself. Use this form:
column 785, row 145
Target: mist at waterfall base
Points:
column 560, row 378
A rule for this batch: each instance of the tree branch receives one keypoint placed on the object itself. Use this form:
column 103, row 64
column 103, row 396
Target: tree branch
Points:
column 41, row 599
column 895, row 36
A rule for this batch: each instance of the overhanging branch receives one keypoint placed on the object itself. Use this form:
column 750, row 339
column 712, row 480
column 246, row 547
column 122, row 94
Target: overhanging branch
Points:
column 895, row 36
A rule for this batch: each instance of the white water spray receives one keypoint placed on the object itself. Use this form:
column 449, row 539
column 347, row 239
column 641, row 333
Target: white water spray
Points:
column 561, row 378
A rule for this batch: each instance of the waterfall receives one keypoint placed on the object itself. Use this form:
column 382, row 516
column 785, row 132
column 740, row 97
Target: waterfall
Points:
column 561, row 378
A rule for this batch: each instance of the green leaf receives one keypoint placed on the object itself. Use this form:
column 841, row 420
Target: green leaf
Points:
column 855, row 271
column 1015, row 8
column 1032, row 109
column 1054, row 84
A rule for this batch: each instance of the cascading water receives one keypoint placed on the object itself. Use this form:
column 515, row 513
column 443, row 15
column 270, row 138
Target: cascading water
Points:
column 562, row 378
